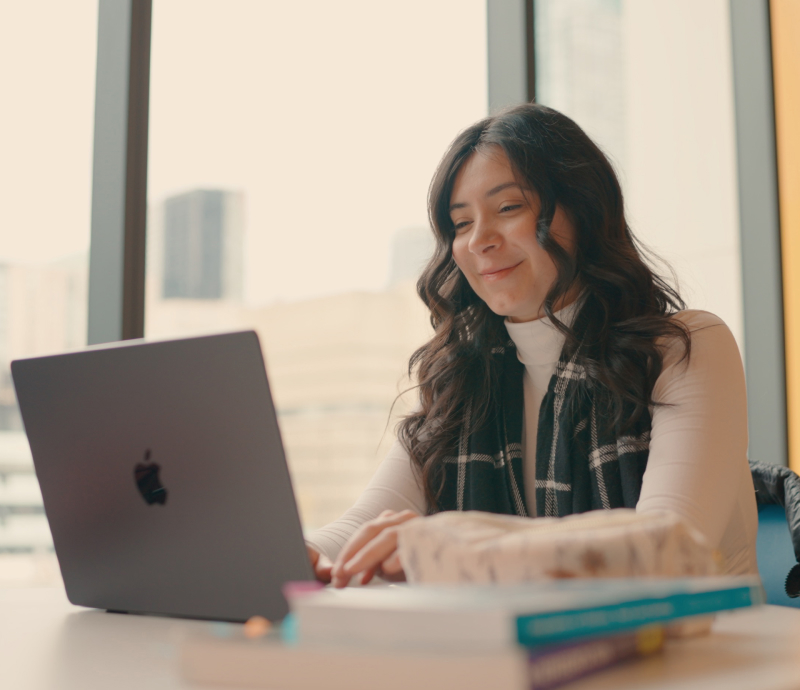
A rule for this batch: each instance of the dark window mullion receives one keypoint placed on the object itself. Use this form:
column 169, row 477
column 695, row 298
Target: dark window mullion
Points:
column 119, row 176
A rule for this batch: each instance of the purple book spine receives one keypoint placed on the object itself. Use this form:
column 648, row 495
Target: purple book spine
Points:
column 555, row 665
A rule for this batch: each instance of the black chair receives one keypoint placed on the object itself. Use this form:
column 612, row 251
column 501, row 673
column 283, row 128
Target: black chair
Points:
column 778, row 498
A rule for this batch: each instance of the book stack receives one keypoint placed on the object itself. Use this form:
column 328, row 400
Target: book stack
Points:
column 537, row 636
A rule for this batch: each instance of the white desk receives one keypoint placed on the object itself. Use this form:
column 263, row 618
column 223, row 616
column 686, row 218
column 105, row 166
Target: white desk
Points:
column 48, row 644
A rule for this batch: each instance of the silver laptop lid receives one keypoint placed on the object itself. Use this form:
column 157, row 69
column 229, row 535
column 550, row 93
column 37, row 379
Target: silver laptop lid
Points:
column 163, row 476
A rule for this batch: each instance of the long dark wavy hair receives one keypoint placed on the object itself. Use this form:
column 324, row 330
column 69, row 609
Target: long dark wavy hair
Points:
column 625, row 305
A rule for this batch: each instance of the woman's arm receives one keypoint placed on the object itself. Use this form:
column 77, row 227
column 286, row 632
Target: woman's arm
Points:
column 394, row 487
column 697, row 466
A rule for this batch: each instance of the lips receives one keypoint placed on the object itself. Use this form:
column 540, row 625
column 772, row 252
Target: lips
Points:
column 498, row 274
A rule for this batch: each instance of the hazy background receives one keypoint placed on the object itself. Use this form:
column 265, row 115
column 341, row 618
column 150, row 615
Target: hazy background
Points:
column 291, row 148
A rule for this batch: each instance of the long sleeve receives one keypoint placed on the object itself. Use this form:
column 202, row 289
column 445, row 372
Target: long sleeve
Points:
column 698, row 466
column 393, row 487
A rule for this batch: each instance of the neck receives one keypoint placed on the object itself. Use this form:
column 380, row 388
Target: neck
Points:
column 563, row 301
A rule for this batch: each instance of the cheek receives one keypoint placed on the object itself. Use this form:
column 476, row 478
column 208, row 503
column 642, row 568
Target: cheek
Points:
column 459, row 253
column 542, row 263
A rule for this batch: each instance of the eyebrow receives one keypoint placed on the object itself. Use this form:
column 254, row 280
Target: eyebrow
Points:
column 494, row 190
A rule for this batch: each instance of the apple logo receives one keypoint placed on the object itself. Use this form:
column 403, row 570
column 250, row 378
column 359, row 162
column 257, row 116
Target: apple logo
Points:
column 148, row 482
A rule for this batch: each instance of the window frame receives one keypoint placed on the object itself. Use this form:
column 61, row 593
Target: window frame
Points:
column 119, row 185
column 119, row 174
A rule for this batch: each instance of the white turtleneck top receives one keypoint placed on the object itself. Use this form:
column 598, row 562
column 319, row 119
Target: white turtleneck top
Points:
column 697, row 466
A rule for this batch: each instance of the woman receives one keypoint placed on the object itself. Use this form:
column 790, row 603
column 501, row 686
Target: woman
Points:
column 607, row 394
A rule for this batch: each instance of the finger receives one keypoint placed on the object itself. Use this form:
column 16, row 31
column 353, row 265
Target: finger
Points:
column 366, row 533
column 367, row 576
column 313, row 555
column 368, row 558
column 361, row 536
column 374, row 553
column 322, row 569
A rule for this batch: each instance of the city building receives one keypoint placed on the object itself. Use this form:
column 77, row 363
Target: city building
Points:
column 42, row 310
column 202, row 245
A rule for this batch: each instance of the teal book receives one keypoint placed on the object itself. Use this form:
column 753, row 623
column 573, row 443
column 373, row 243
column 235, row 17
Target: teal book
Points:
column 496, row 616
column 550, row 627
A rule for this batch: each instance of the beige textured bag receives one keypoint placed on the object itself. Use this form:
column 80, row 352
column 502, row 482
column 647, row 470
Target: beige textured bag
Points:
column 474, row 547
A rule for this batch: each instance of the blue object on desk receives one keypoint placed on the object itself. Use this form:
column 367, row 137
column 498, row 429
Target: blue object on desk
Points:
column 775, row 554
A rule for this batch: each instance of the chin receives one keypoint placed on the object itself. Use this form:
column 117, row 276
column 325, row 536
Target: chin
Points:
column 499, row 309
column 513, row 312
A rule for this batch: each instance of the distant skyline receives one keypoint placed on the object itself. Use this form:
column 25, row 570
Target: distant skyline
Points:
column 334, row 130
column 331, row 128
column 202, row 252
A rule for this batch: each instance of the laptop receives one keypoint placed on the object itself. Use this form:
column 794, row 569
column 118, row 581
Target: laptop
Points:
column 164, row 477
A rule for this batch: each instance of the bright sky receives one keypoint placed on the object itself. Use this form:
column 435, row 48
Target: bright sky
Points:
column 47, row 75
column 331, row 118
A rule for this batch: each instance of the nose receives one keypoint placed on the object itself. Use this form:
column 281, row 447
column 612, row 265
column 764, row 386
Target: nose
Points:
column 484, row 236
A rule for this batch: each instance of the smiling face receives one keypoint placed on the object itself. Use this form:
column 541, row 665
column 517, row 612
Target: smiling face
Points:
column 495, row 237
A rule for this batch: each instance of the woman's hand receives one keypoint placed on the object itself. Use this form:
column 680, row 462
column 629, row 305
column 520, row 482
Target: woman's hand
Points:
column 372, row 550
column 322, row 564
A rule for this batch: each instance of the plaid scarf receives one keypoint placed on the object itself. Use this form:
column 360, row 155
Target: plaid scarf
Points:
column 580, row 464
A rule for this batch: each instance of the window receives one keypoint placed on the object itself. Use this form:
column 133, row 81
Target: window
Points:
column 48, row 52
column 291, row 148
column 652, row 84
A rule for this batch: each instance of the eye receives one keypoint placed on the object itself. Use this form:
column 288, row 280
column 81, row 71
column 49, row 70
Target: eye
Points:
column 510, row 207
column 460, row 226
